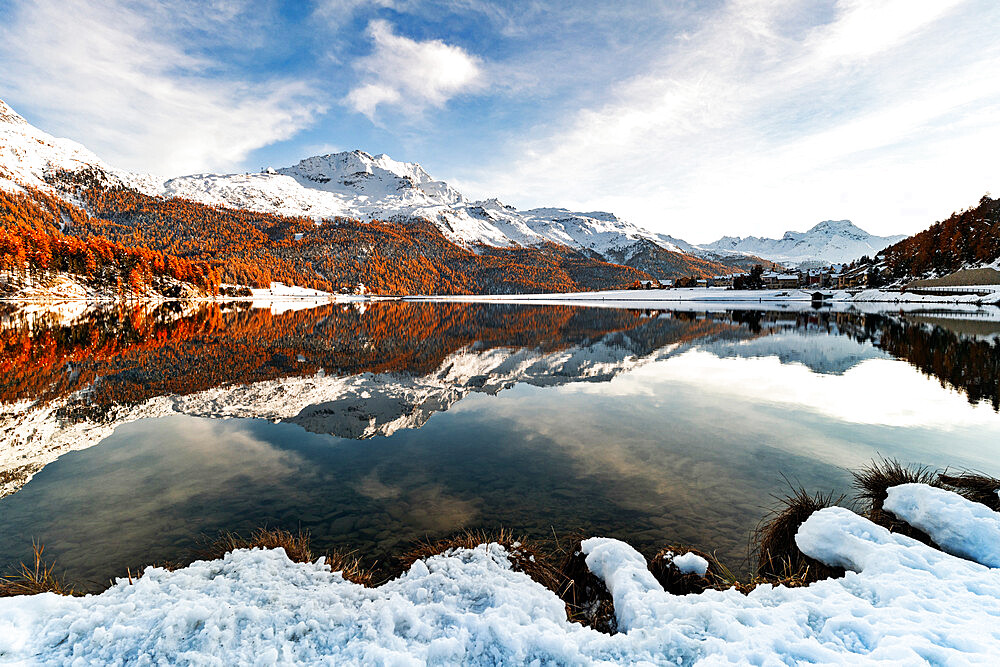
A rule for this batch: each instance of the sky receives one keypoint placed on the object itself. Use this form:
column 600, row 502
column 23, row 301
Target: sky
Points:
column 693, row 118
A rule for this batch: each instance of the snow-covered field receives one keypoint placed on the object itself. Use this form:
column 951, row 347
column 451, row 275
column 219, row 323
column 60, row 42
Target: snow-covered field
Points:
column 901, row 602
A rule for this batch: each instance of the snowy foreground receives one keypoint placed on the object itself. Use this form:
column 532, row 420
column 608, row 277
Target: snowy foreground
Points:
column 901, row 601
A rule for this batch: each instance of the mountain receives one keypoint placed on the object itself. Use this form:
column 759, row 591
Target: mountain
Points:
column 356, row 187
column 829, row 242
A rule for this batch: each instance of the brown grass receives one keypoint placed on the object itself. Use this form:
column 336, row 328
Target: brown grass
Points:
column 676, row 582
column 779, row 559
column 296, row 546
column 37, row 577
column 525, row 555
column 872, row 482
column 975, row 487
column 587, row 599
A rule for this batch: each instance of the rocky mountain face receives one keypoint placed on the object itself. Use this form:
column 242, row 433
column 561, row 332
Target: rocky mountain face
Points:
column 829, row 242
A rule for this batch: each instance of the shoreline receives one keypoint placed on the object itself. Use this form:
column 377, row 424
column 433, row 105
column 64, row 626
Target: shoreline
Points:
column 912, row 573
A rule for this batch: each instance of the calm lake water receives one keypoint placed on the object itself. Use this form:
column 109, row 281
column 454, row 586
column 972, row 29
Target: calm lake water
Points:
column 129, row 433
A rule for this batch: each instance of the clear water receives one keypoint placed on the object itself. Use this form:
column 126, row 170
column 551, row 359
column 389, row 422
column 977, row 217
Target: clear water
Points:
column 655, row 427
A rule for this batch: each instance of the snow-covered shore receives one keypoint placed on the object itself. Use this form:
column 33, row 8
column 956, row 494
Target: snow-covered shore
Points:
column 736, row 299
column 900, row 601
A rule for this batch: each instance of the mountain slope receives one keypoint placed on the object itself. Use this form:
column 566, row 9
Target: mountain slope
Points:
column 359, row 187
column 966, row 241
column 829, row 242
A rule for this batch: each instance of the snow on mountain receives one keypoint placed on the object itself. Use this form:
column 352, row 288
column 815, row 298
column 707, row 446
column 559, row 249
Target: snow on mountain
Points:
column 356, row 184
column 349, row 184
column 829, row 242
column 27, row 155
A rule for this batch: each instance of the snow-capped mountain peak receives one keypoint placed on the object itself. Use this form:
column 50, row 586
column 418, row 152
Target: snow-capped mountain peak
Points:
column 357, row 172
column 356, row 184
column 828, row 242
column 29, row 156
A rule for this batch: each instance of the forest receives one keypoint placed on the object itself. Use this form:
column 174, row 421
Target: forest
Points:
column 34, row 241
column 967, row 239
column 252, row 248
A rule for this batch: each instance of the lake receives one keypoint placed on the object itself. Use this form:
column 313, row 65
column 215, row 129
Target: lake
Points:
column 129, row 433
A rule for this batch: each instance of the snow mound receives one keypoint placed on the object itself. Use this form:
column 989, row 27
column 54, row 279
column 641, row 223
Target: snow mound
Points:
column 958, row 525
column 900, row 601
column 28, row 156
column 691, row 563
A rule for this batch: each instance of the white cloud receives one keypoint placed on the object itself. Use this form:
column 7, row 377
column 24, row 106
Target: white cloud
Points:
column 411, row 75
column 110, row 72
column 758, row 123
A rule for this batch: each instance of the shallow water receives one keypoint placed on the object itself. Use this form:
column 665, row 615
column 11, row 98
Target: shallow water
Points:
column 411, row 421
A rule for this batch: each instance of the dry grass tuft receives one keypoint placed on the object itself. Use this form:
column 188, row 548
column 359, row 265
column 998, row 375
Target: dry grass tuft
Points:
column 872, row 482
column 779, row 559
column 975, row 487
column 524, row 555
column 676, row 582
column 38, row 577
column 351, row 568
column 296, row 546
column 587, row 599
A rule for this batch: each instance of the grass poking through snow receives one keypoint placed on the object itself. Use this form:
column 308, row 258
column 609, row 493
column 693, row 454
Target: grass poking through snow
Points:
column 975, row 487
column 779, row 559
column 35, row 577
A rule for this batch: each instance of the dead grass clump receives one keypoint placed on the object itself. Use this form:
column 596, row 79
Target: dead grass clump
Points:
column 779, row 559
column 872, row 483
column 676, row 582
column 524, row 555
column 351, row 568
column 38, row 577
column 587, row 599
column 975, row 487
column 296, row 545
column 297, row 548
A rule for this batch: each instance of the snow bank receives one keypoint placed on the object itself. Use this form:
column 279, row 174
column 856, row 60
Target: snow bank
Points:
column 900, row 601
column 958, row 525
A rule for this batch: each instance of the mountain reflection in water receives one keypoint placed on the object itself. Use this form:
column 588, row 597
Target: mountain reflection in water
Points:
column 611, row 421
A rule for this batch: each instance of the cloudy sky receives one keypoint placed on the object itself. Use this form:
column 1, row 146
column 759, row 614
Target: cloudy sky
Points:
column 693, row 117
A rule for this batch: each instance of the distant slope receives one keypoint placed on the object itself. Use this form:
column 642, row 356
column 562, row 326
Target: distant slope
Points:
column 965, row 241
column 829, row 242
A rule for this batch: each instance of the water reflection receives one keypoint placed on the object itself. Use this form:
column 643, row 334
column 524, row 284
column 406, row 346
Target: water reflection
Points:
column 651, row 426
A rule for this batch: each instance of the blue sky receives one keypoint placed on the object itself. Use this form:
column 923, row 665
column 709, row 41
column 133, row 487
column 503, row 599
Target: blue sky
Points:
column 692, row 118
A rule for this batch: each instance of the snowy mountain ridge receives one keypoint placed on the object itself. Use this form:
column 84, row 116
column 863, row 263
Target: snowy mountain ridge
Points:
column 355, row 184
column 829, row 242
